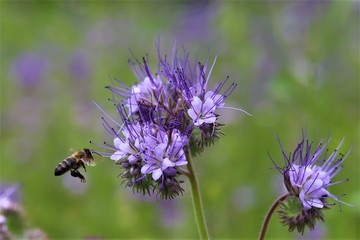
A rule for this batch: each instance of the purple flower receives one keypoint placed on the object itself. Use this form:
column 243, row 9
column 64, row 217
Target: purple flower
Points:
column 163, row 117
column 307, row 176
column 145, row 91
column 128, row 146
column 202, row 112
column 178, row 92
column 167, row 153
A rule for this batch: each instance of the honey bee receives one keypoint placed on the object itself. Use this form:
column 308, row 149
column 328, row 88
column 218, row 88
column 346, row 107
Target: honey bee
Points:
column 74, row 162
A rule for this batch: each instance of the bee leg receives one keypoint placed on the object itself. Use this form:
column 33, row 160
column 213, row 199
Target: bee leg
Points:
column 79, row 175
column 82, row 165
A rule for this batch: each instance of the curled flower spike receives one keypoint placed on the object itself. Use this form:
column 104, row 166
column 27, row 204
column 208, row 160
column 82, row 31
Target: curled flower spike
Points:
column 307, row 176
column 162, row 118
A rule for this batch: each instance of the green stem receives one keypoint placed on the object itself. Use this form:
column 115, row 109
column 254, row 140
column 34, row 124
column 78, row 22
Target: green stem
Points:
column 269, row 214
column 198, row 208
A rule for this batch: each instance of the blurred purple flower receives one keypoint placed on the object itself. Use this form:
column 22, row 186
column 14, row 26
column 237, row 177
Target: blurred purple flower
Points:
column 9, row 206
column 29, row 69
column 9, row 196
column 317, row 234
column 171, row 213
column 79, row 66
column 12, row 212
column 194, row 23
column 298, row 16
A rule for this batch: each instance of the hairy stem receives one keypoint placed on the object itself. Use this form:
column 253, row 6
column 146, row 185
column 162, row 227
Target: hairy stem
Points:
column 269, row 214
column 198, row 208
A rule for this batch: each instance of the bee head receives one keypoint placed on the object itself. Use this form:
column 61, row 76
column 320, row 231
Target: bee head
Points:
column 87, row 152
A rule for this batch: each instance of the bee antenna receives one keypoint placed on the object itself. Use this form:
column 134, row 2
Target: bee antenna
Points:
column 93, row 151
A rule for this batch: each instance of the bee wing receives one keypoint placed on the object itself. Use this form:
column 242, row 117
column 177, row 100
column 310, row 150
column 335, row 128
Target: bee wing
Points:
column 89, row 162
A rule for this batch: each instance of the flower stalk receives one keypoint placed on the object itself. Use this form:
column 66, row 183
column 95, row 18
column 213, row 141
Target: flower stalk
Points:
column 269, row 215
column 196, row 198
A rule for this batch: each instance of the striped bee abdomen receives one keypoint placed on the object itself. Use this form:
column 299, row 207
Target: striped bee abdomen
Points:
column 64, row 166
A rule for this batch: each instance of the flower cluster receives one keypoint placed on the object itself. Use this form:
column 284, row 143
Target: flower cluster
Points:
column 307, row 177
column 12, row 216
column 9, row 205
column 11, row 212
column 163, row 117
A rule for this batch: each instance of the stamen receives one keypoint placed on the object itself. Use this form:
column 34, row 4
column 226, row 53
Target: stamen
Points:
column 106, row 114
column 237, row 109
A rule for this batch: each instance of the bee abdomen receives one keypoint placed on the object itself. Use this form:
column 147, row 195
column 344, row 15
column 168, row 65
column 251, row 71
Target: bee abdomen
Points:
column 64, row 166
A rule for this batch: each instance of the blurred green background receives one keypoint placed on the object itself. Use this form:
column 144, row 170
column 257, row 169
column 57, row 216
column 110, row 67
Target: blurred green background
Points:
column 297, row 66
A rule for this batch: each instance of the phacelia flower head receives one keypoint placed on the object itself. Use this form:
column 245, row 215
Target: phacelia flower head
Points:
column 9, row 199
column 307, row 176
column 12, row 216
column 10, row 209
column 163, row 117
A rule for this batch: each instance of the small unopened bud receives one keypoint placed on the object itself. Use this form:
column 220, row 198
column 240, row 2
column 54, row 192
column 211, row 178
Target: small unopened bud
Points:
column 170, row 172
